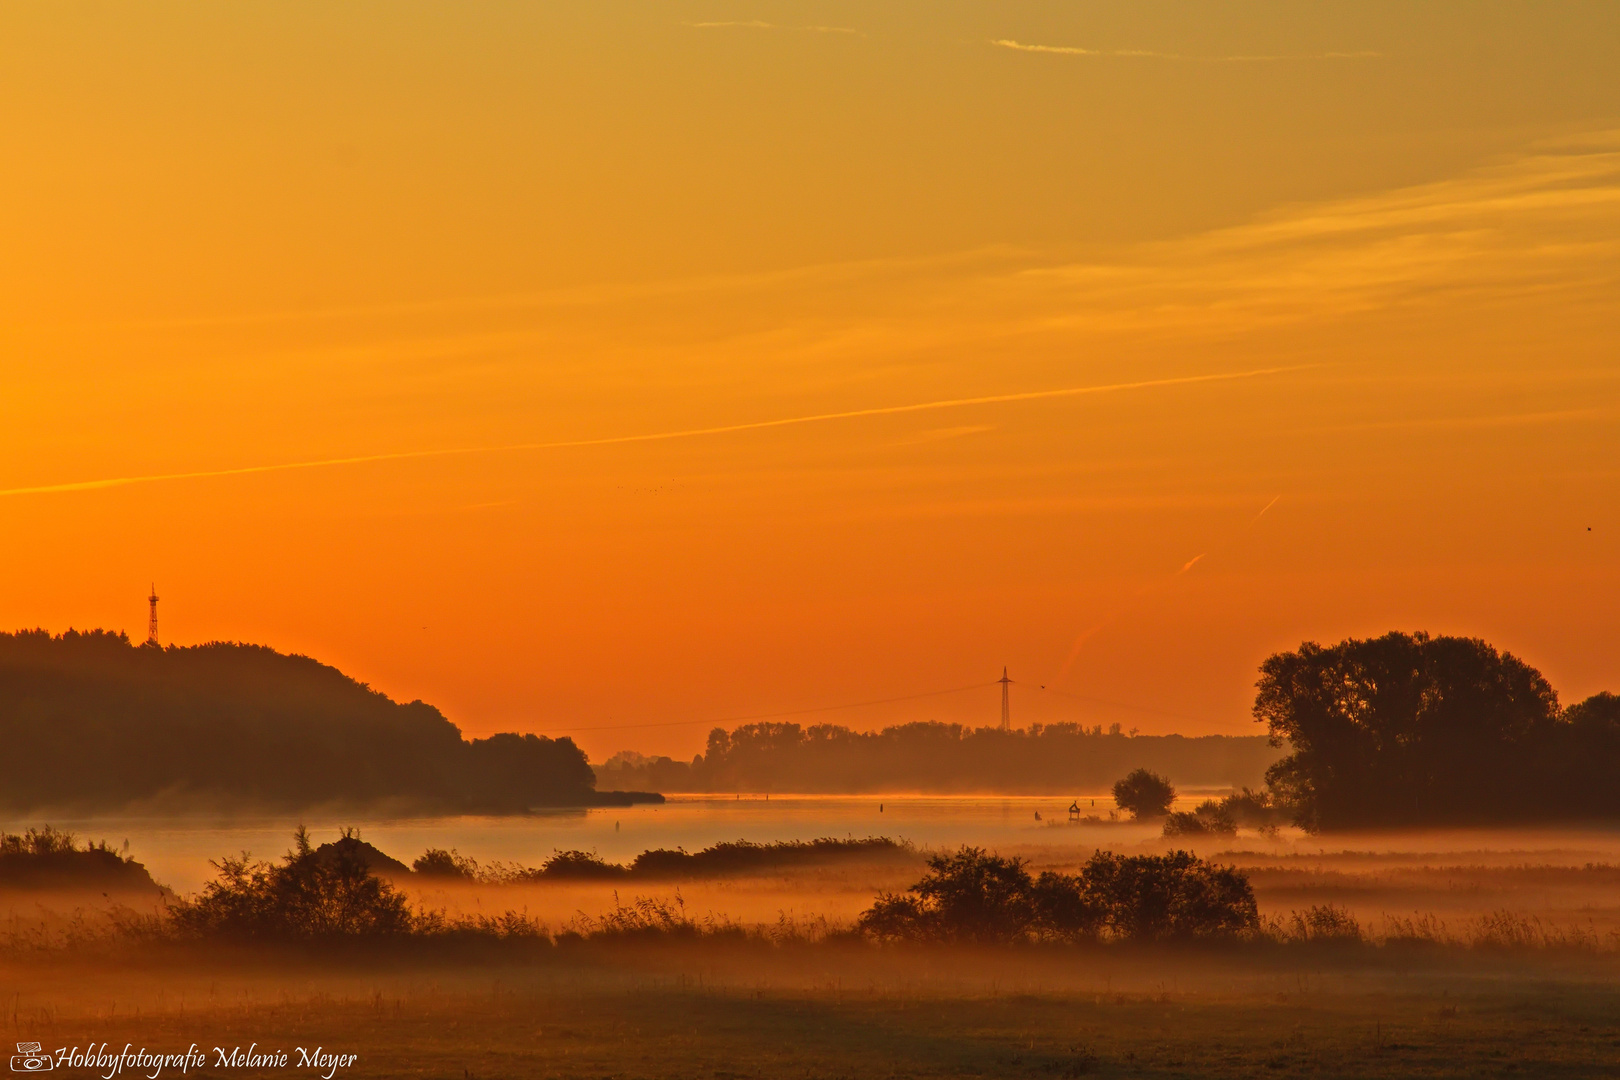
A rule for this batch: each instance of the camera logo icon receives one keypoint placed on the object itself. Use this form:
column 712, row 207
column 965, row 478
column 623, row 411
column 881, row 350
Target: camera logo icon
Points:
column 30, row 1058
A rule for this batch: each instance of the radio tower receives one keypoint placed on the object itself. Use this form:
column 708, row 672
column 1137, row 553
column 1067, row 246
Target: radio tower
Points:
column 151, row 622
column 1006, row 703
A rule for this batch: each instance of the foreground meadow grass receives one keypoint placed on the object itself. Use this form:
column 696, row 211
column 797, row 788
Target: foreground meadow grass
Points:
column 706, row 1011
column 1509, row 966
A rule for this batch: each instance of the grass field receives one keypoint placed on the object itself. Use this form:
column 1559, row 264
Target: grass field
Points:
column 715, row 1012
column 1538, row 998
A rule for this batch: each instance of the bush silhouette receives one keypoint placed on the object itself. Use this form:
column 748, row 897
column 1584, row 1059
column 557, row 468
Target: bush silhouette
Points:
column 579, row 864
column 1144, row 794
column 972, row 896
column 439, row 863
column 717, row 860
column 1255, row 809
column 1210, row 818
column 978, row 897
column 1065, row 909
column 1178, row 895
column 312, row 894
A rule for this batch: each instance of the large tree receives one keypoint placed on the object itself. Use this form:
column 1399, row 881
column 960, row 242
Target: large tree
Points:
column 1408, row 729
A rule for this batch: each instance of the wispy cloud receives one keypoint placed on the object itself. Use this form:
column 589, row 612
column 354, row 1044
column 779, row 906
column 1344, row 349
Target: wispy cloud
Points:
column 660, row 436
column 1062, row 50
column 941, row 434
column 1072, row 50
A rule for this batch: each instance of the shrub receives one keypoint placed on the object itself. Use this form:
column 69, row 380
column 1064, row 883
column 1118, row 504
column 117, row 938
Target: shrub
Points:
column 898, row 917
column 1255, row 809
column 585, row 865
column 1178, row 895
column 741, row 855
column 1064, row 909
column 978, row 897
column 662, row 862
column 1209, row 819
column 439, row 863
column 311, row 894
column 1144, row 794
column 730, row 857
column 971, row 896
column 1325, row 923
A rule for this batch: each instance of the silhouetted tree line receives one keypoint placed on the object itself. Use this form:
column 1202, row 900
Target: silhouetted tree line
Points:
column 942, row 758
column 89, row 721
column 1406, row 729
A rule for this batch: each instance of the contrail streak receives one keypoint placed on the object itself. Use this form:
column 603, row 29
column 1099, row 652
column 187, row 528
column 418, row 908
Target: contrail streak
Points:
column 1095, row 628
column 658, row 436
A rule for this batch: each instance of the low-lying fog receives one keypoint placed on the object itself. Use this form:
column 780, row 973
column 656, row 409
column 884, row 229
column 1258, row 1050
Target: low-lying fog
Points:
column 177, row 850
column 1562, row 876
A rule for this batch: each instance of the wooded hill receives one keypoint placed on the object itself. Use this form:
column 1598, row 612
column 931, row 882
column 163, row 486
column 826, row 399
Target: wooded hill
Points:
column 91, row 722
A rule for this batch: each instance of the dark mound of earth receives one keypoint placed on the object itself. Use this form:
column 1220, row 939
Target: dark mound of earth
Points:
column 49, row 859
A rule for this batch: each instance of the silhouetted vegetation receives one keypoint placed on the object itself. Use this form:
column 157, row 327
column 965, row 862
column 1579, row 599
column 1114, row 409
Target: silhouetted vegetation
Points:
column 720, row 860
column 311, row 894
column 439, row 863
column 933, row 757
column 1209, row 818
column 1406, row 729
column 91, row 722
column 981, row 898
column 329, row 898
column 48, row 858
column 1255, row 809
column 1248, row 809
column 1144, row 794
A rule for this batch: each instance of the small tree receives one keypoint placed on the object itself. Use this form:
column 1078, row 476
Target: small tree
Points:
column 1144, row 794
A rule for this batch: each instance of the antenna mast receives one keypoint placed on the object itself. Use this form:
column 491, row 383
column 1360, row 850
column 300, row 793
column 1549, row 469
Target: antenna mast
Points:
column 151, row 622
column 1006, row 703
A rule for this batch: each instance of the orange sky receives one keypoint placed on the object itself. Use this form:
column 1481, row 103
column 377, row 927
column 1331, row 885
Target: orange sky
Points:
column 387, row 297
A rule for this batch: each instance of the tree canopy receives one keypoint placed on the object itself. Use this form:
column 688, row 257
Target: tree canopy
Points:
column 1144, row 794
column 1408, row 729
